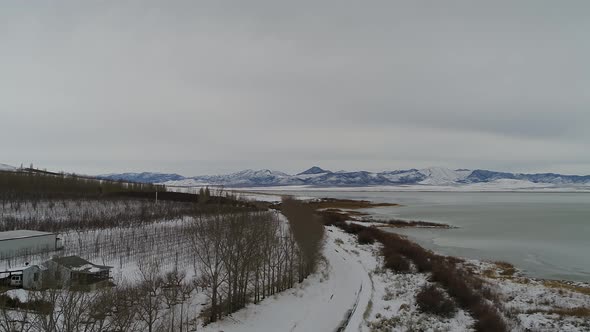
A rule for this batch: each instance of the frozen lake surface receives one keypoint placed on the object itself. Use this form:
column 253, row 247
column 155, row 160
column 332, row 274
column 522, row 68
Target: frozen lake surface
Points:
column 546, row 234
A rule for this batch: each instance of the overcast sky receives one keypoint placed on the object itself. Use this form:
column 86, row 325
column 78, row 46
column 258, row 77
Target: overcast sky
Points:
column 202, row 87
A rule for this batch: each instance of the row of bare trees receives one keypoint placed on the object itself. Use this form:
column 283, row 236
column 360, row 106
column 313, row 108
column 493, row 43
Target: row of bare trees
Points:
column 117, row 247
column 62, row 215
column 90, row 214
column 245, row 257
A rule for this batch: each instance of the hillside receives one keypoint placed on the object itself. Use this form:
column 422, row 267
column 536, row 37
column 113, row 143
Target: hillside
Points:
column 4, row 167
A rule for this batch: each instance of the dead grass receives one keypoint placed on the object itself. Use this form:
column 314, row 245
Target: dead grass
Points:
column 366, row 237
column 576, row 312
column 573, row 312
column 331, row 203
column 432, row 299
column 506, row 269
column 332, row 215
column 490, row 273
column 501, row 270
column 558, row 284
column 349, row 212
column 397, row 223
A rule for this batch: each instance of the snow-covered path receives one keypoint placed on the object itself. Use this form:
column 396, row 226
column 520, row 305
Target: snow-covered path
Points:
column 320, row 303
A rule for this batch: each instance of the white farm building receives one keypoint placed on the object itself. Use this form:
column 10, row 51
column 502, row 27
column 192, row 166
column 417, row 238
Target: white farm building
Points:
column 24, row 242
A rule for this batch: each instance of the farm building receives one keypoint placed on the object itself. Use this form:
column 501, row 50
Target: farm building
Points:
column 22, row 242
column 74, row 271
column 70, row 271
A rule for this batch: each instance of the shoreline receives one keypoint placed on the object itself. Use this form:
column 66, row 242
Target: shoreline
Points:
column 494, row 293
column 433, row 229
column 331, row 210
column 265, row 190
column 334, row 214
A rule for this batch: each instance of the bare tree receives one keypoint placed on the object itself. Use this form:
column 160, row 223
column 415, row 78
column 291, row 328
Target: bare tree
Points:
column 242, row 257
column 149, row 295
column 208, row 235
column 124, row 308
column 15, row 320
column 48, row 317
column 74, row 307
column 176, row 290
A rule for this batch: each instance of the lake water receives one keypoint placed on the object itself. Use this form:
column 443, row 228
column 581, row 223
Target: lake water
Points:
column 545, row 234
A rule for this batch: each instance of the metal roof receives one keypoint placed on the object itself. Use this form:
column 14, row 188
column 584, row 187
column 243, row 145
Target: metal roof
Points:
column 71, row 261
column 21, row 234
column 79, row 264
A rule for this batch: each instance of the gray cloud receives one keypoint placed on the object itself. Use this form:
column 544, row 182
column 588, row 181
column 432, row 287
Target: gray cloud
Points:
column 215, row 86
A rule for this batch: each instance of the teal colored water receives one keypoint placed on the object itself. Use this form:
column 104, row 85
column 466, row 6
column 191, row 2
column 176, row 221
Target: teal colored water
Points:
column 546, row 234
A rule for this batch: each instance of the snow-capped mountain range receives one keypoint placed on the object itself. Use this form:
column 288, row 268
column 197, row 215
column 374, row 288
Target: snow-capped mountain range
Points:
column 433, row 177
column 145, row 177
column 318, row 177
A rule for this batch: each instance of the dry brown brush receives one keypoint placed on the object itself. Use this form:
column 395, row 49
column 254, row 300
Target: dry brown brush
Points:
column 308, row 230
column 432, row 300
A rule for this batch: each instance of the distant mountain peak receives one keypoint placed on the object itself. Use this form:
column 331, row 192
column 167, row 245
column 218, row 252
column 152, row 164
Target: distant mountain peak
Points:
column 4, row 167
column 441, row 175
column 314, row 170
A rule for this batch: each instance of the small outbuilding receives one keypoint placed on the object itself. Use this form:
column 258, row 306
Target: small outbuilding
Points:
column 25, row 242
column 28, row 277
column 74, row 271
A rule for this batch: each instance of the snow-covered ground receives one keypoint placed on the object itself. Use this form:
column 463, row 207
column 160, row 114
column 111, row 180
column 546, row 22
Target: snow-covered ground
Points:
column 352, row 291
column 533, row 304
column 351, row 283
column 262, row 197
column 381, row 300
column 320, row 303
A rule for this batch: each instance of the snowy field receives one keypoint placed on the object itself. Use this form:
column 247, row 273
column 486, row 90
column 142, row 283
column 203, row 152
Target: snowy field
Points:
column 123, row 247
column 116, row 233
column 537, row 304
column 352, row 291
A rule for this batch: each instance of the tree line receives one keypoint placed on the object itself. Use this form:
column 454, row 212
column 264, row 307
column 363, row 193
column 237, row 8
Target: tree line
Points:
column 246, row 257
column 30, row 183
